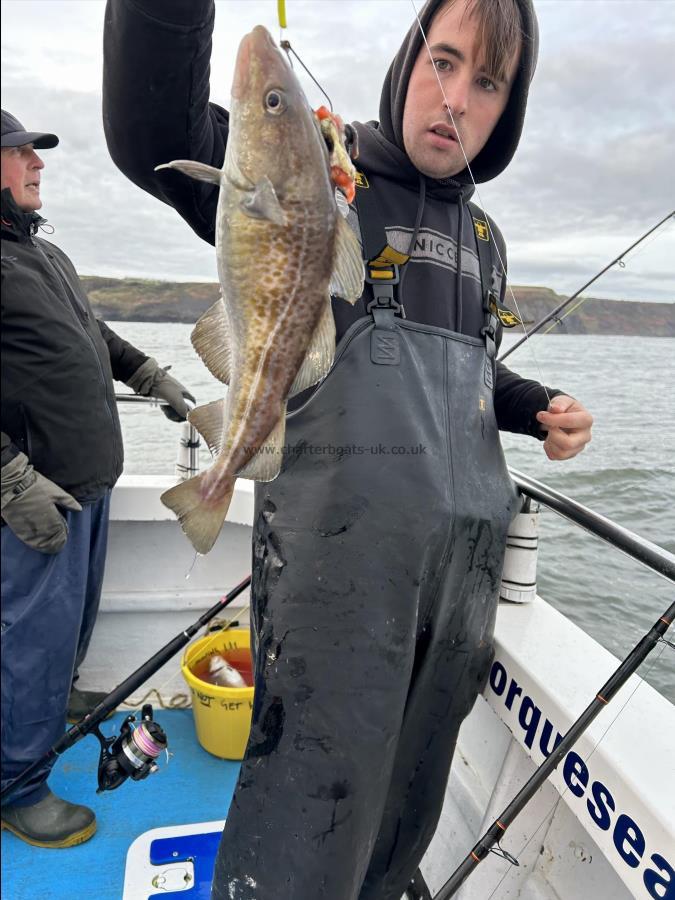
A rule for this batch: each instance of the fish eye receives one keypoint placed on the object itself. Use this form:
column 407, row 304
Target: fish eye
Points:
column 274, row 101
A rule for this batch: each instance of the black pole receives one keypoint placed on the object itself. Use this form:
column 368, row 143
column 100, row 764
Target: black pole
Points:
column 574, row 296
column 651, row 555
column 496, row 831
column 122, row 691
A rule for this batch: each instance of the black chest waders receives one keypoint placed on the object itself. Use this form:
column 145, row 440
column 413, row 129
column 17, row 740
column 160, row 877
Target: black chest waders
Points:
column 377, row 556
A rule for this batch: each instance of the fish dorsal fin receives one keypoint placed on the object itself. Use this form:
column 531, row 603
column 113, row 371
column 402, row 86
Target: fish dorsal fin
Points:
column 211, row 339
column 265, row 465
column 262, row 203
column 347, row 278
column 209, row 421
column 197, row 170
column 320, row 353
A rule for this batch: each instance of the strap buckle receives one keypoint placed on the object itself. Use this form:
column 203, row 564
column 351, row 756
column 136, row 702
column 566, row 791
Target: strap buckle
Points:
column 383, row 279
column 489, row 330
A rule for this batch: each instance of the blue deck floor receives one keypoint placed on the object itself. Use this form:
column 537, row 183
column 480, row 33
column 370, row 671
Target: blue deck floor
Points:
column 194, row 787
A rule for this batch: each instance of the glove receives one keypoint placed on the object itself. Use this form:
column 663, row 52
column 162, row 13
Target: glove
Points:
column 28, row 504
column 150, row 380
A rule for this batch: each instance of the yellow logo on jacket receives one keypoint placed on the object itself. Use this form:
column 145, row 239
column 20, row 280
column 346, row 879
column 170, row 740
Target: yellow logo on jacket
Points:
column 482, row 230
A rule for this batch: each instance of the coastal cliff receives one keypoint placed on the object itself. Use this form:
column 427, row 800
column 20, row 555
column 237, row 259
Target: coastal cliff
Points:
column 140, row 300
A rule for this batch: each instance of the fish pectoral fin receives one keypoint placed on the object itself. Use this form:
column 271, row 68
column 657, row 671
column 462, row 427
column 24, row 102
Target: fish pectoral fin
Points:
column 197, row 170
column 262, row 203
column 211, row 340
column 200, row 519
column 320, row 353
column 266, row 464
column 208, row 420
column 347, row 278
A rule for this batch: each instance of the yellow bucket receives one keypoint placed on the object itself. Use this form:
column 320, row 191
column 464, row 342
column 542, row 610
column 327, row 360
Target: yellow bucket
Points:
column 222, row 714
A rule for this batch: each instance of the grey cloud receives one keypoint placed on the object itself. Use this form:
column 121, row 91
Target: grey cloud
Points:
column 591, row 173
column 101, row 220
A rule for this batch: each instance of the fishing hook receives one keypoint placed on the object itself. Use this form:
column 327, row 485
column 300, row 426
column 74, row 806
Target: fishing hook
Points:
column 286, row 45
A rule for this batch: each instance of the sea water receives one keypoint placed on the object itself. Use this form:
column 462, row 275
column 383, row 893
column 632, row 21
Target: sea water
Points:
column 627, row 473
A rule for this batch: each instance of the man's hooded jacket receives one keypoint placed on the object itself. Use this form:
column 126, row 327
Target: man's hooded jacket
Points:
column 156, row 108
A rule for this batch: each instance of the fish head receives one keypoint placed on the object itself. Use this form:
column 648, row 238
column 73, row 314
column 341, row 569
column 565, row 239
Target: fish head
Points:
column 273, row 131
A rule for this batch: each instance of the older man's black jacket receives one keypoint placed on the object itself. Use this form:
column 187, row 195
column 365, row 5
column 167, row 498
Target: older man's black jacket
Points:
column 58, row 365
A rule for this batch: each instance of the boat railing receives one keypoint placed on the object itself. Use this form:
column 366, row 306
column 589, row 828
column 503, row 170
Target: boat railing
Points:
column 187, row 459
column 649, row 554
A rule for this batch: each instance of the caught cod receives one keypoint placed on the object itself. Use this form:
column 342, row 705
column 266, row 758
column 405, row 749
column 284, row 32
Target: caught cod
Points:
column 282, row 250
column 224, row 674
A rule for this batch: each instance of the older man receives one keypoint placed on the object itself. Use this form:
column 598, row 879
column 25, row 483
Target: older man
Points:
column 375, row 574
column 61, row 455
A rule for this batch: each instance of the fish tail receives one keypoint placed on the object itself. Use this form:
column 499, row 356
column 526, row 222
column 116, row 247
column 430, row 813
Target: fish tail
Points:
column 201, row 516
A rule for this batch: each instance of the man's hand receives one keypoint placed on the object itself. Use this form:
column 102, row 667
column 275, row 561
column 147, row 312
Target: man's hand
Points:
column 150, row 380
column 29, row 506
column 568, row 424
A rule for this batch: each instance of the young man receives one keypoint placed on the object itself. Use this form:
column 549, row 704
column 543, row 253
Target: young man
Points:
column 376, row 569
column 61, row 455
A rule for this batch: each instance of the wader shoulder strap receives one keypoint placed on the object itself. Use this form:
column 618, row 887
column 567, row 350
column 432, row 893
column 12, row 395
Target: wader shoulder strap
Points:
column 381, row 263
column 487, row 260
column 491, row 275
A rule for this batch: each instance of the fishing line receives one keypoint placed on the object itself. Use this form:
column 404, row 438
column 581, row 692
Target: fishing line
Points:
column 659, row 234
column 487, row 221
column 554, row 313
column 158, row 691
column 622, row 263
column 142, row 747
column 192, row 565
column 286, row 46
column 527, row 843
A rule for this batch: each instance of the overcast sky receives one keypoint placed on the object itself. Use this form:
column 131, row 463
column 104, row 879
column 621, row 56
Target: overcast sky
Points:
column 594, row 169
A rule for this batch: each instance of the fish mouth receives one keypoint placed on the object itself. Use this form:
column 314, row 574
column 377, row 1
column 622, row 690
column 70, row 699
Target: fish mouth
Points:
column 257, row 47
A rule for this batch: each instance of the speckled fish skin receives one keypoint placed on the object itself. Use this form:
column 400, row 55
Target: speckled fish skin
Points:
column 274, row 277
column 282, row 246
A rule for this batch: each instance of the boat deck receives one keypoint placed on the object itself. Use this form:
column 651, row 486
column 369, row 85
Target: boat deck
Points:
column 199, row 786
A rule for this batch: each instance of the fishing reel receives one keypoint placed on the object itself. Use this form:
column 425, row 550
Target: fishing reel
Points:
column 132, row 753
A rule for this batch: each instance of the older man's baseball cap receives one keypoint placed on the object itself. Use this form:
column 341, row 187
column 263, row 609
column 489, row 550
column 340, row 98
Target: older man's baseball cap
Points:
column 15, row 135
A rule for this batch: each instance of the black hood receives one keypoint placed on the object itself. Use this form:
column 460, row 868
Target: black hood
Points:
column 499, row 150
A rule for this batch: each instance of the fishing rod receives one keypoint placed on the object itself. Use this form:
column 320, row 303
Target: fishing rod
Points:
column 496, row 831
column 133, row 753
column 553, row 314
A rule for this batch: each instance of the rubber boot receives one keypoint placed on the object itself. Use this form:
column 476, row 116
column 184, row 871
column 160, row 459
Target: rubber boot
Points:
column 52, row 822
column 81, row 703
